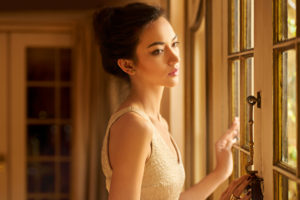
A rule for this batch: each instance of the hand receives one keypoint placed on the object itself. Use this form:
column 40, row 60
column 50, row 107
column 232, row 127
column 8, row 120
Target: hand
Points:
column 223, row 150
column 236, row 188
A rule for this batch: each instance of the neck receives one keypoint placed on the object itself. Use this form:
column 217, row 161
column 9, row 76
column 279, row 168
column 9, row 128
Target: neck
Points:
column 147, row 98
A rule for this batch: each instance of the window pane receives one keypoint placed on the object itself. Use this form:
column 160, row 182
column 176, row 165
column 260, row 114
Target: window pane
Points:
column 65, row 104
column 49, row 141
column 249, row 64
column 285, row 19
column 248, row 20
column 235, row 26
column 235, row 87
column 40, row 177
column 40, row 140
column 40, row 102
column 289, row 108
column 65, row 139
column 287, row 189
column 236, row 166
column 65, row 64
column 65, row 177
column 40, row 64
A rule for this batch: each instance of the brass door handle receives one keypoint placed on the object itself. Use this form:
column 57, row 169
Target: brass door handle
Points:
column 251, row 100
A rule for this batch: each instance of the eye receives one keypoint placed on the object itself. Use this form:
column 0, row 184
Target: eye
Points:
column 157, row 51
column 175, row 44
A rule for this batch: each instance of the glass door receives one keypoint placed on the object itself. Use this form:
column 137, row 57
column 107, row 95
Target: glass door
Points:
column 241, row 74
column 41, row 116
column 275, row 55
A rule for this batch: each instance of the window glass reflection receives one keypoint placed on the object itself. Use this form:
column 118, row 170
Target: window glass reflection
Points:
column 235, row 70
column 289, row 108
column 248, row 20
column 40, row 102
column 235, row 26
column 285, row 19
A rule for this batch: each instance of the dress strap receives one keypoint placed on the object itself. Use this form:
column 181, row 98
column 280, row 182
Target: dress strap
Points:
column 123, row 111
column 113, row 118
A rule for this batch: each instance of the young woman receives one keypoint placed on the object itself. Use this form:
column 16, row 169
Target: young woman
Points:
column 140, row 159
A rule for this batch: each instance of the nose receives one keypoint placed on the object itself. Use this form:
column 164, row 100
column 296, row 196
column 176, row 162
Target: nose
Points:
column 173, row 56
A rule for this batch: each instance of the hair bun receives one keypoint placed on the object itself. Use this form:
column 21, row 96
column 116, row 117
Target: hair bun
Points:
column 117, row 30
column 102, row 22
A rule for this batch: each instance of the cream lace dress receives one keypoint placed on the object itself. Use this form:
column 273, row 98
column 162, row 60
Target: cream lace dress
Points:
column 163, row 174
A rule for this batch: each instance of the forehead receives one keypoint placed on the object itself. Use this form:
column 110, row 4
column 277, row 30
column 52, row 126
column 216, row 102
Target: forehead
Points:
column 158, row 31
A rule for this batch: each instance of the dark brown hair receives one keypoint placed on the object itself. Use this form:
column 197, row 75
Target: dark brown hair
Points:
column 117, row 31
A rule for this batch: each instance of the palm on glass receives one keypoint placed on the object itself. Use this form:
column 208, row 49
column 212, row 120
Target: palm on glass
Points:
column 225, row 163
column 223, row 149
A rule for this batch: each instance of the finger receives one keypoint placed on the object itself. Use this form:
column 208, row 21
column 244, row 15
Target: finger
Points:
column 221, row 145
column 234, row 136
column 231, row 137
column 235, row 139
column 247, row 197
column 225, row 194
column 235, row 184
column 241, row 187
column 232, row 131
column 241, row 179
column 235, row 124
column 230, row 142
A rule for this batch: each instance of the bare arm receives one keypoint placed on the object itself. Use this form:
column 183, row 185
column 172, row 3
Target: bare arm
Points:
column 224, row 167
column 204, row 188
column 129, row 147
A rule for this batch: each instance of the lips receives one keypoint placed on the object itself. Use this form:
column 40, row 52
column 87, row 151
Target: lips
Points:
column 174, row 72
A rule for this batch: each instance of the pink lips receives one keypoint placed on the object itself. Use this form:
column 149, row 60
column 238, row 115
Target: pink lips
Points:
column 174, row 72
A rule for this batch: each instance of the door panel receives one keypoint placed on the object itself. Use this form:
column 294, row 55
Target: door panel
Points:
column 28, row 97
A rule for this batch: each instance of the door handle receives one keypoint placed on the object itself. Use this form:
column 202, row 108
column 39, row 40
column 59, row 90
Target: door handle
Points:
column 256, row 184
column 252, row 101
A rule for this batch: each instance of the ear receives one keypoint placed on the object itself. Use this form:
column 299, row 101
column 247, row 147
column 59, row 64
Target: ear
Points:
column 127, row 66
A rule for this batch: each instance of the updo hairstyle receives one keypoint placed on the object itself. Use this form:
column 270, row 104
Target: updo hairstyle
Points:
column 117, row 30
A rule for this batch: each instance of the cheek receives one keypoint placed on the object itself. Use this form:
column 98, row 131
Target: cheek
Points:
column 153, row 65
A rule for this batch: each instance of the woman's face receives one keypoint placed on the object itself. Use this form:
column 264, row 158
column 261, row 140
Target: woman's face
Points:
column 157, row 55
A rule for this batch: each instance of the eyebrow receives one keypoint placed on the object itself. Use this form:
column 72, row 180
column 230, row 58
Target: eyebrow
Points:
column 160, row 43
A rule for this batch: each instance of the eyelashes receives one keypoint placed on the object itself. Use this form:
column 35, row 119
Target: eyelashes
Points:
column 157, row 52
column 160, row 51
column 175, row 44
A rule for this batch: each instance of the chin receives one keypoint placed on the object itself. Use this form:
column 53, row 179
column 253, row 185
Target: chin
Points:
column 172, row 83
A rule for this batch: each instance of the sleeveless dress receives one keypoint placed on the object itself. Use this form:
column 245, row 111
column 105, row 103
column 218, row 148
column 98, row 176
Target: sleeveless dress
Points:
column 163, row 173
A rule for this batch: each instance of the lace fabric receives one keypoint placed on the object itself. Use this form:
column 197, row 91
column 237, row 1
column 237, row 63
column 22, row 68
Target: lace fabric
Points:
column 163, row 174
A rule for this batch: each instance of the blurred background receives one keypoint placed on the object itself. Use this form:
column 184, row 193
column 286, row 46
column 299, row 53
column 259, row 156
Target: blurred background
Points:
column 55, row 98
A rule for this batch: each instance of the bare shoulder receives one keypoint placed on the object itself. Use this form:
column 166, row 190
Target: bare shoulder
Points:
column 129, row 147
column 130, row 135
column 131, row 125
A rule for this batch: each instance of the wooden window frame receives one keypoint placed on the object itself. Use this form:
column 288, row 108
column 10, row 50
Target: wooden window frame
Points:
column 241, row 55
